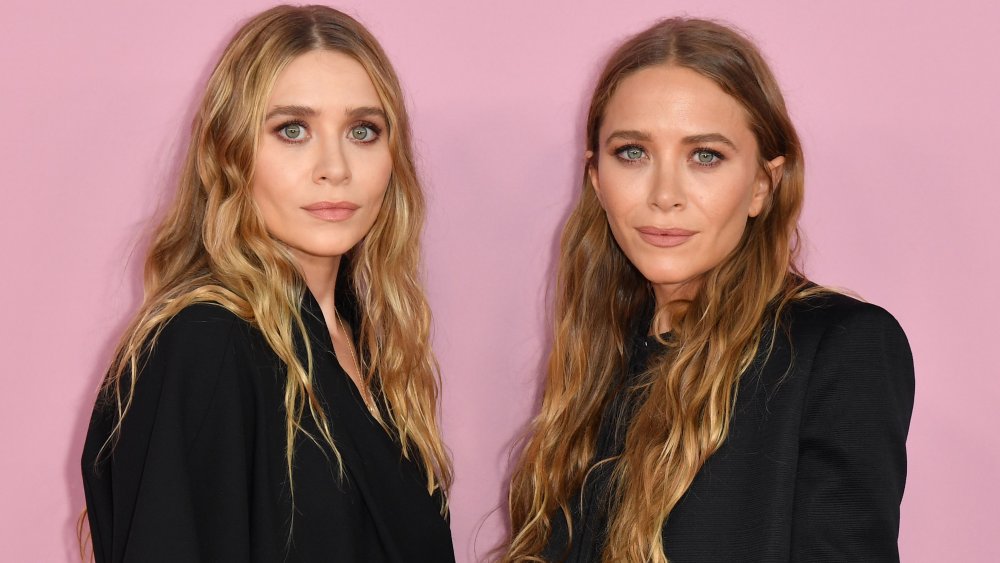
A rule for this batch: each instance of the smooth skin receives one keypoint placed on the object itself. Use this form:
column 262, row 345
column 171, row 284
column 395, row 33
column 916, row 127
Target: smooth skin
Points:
column 678, row 173
column 322, row 168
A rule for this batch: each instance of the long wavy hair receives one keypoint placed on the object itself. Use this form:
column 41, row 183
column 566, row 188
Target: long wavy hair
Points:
column 687, row 394
column 212, row 246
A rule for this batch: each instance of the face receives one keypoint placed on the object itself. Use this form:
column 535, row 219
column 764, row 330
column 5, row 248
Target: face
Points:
column 678, row 174
column 323, row 161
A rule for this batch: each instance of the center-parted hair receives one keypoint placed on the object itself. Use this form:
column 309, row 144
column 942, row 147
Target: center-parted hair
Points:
column 687, row 394
column 213, row 246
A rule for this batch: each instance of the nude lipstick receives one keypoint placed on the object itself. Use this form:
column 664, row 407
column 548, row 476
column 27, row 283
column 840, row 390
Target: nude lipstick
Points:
column 665, row 238
column 331, row 210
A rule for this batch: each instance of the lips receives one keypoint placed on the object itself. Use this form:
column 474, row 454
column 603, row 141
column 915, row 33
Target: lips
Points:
column 331, row 210
column 665, row 238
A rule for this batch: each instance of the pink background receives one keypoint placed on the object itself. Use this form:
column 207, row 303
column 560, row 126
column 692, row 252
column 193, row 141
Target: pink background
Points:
column 896, row 103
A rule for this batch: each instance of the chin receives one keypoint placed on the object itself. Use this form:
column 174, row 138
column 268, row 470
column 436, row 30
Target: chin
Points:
column 323, row 250
column 331, row 252
column 656, row 273
column 669, row 278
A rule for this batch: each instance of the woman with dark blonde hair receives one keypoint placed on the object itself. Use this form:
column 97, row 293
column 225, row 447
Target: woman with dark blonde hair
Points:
column 275, row 396
column 704, row 401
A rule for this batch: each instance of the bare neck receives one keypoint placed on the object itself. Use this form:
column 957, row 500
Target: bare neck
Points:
column 320, row 275
column 668, row 293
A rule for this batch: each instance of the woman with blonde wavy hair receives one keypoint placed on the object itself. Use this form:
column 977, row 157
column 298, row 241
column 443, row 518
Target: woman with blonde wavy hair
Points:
column 275, row 396
column 704, row 401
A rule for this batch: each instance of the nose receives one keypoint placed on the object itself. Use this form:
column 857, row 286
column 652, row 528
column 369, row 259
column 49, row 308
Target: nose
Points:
column 667, row 188
column 332, row 165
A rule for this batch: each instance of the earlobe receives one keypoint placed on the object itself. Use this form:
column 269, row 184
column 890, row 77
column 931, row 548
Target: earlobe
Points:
column 765, row 185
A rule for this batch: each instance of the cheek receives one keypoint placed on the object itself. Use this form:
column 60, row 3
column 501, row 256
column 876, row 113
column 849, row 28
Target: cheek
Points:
column 371, row 171
column 619, row 195
column 727, row 213
column 274, row 195
column 265, row 192
column 376, row 200
column 267, row 209
column 270, row 176
column 381, row 183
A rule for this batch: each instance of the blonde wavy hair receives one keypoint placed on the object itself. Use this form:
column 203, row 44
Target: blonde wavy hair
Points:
column 689, row 392
column 213, row 246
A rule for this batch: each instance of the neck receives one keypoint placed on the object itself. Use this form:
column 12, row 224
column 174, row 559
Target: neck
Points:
column 666, row 293
column 320, row 275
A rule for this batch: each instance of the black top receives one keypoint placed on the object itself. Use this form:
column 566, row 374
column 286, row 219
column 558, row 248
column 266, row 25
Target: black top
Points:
column 199, row 471
column 815, row 461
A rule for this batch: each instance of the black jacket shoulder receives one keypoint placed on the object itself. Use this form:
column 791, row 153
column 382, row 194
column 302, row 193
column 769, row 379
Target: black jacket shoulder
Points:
column 201, row 352
column 816, row 451
column 831, row 310
column 200, row 330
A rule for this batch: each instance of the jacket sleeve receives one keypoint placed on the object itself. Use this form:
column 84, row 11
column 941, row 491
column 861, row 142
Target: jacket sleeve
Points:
column 852, row 458
column 175, row 485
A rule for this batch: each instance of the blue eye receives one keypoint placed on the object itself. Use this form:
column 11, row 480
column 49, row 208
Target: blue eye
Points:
column 705, row 157
column 363, row 133
column 630, row 153
column 292, row 132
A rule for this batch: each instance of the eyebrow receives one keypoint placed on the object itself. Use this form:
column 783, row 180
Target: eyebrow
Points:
column 642, row 136
column 367, row 111
column 628, row 135
column 306, row 111
column 291, row 111
column 708, row 138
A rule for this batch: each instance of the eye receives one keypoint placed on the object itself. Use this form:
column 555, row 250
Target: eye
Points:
column 630, row 153
column 292, row 132
column 706, row 157
column 363, row 133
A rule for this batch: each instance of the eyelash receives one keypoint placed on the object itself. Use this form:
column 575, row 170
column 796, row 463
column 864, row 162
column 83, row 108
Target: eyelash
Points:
column 375, row 129
column 719, row 157
column 618, row 152
column 282, row 138
column 277, row 131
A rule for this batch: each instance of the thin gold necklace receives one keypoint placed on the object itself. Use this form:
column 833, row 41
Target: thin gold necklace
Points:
column 362, row 388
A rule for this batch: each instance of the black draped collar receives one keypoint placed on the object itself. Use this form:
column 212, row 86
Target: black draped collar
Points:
column 371, row 456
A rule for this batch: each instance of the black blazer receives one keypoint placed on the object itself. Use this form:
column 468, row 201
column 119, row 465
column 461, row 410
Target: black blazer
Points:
column 199, row 471
column 815, row 461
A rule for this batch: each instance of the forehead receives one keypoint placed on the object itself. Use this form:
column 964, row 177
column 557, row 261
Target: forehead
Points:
column 323, row 77
column 676, row 100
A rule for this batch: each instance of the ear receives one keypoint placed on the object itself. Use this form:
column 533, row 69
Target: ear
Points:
column 765, row 183
column 588, row 158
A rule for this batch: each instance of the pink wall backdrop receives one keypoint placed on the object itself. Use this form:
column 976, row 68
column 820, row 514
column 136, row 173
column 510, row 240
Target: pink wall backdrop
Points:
column 897, row 103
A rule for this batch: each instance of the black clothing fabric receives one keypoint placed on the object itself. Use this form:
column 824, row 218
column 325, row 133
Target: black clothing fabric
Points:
column 814, row 464
column 199, row 472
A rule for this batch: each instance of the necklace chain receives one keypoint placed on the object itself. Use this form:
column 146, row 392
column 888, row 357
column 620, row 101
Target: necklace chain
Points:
column 362, row 388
